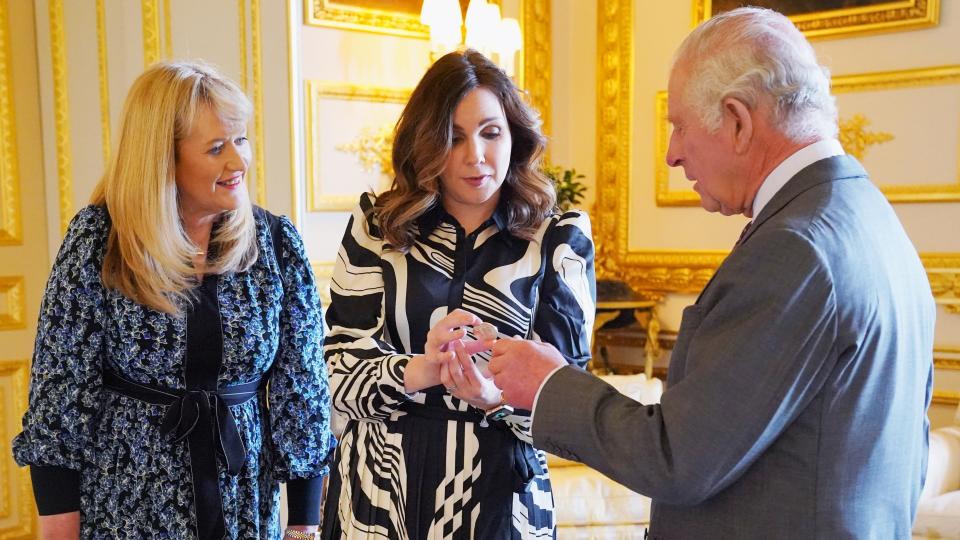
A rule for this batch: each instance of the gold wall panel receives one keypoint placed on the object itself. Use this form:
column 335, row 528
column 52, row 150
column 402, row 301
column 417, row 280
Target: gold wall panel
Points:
column 658, row 272
column 257, row 44
column 61, row 112
column 11, row 226
column 317, row 200
column 150, row 15
column 887, row 80
column 294, row 102
column 13, row 316
column 104, row 83
column 17, row 509
column 879, row 17
column 536, row 57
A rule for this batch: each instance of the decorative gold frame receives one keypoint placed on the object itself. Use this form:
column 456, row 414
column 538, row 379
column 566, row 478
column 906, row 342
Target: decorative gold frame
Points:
column 11, row 227
column 15, row 316
column 333, row 14
column 884, row 17
column 657, row 272
column 317, row 201
column 533, row 66
column 258, row 129
column 14, row 384
column 947, row 359
column 845, row 84
column 61, row 112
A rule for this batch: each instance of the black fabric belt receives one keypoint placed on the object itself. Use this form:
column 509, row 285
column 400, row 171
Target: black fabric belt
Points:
column 202, row 417
column 442, row 413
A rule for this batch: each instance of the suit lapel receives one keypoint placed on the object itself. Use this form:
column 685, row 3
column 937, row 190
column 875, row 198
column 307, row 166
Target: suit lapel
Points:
column 826, row 170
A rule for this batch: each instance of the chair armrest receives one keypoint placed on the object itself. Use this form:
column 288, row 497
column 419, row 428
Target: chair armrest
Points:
column 943, row 465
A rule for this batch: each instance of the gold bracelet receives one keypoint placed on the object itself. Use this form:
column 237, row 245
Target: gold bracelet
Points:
column 300, row 535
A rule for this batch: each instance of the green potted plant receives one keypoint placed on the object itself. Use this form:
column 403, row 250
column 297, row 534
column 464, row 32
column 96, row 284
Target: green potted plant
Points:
column 567, row 183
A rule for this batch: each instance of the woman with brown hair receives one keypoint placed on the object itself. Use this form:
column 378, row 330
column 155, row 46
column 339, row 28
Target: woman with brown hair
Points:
column 172, row 302
column 467, row 234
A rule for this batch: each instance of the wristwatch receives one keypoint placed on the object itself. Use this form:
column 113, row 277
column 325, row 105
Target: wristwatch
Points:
column 499, row 412
column 300, row 535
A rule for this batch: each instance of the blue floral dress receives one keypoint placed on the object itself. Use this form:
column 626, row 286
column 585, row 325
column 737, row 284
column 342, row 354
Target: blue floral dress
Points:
column 135, row 481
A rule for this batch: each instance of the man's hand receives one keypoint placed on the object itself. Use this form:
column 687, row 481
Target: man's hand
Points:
column 520, row 366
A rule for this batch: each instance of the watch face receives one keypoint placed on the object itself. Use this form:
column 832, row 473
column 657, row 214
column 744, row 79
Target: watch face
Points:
column 500, row 412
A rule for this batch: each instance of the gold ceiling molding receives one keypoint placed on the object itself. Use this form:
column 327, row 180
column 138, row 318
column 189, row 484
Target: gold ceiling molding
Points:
column 19, row 522
column 658, row 272
column 61, row 112
column 11, row 227
column 102, row 73
column 257, row 43
column 871, row 19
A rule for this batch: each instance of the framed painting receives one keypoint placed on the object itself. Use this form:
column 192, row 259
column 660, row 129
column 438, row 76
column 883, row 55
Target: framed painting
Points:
column 835, row 18
column 393, row 17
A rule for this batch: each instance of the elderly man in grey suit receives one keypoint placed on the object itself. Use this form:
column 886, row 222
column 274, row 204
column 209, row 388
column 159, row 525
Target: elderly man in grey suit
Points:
column 800, row 379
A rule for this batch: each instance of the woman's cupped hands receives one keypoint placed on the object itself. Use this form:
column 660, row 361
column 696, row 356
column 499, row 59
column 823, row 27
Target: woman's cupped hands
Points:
column 448, row 350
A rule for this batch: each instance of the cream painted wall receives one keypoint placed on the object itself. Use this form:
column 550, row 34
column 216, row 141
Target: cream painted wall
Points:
column 658, row 27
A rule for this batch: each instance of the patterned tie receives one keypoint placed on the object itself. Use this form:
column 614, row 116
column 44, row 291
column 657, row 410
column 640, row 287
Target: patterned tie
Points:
column 743, row 233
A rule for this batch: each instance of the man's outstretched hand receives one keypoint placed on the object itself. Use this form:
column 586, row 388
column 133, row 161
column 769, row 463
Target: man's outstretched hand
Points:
column 519, row 367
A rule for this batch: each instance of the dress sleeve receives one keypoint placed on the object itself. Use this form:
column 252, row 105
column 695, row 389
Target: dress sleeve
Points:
column 568, row 294
column 65, row 378
column 567, row 298
column 366, row 372
column 299, row 394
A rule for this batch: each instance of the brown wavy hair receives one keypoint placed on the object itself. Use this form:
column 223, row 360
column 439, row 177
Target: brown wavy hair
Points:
column 424, row 137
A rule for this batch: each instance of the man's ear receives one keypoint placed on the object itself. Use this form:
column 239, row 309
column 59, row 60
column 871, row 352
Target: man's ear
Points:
column 742, row 121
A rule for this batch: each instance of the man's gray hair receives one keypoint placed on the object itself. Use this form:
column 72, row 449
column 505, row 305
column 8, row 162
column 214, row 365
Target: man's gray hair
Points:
column 753, row 54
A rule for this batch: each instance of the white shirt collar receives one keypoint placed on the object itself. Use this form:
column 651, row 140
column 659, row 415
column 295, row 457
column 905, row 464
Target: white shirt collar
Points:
column 786, row 170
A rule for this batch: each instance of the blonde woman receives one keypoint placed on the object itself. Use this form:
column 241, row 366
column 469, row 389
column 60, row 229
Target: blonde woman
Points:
column 171, row 304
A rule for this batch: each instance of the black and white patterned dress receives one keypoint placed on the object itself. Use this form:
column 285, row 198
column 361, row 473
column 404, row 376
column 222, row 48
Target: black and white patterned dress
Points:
column 135, row 482
column 424, row 465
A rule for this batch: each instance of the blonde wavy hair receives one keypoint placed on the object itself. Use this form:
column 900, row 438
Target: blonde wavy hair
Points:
column 148, row 255
column 424, row 137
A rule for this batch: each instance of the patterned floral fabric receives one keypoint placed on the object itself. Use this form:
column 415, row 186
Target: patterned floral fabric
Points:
column 135, row 482
column 424, row 465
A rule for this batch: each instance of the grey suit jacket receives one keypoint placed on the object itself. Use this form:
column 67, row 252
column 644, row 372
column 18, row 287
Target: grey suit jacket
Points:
column 798, row 386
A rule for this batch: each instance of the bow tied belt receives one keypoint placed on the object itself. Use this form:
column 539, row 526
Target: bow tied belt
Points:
column 203, row 418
